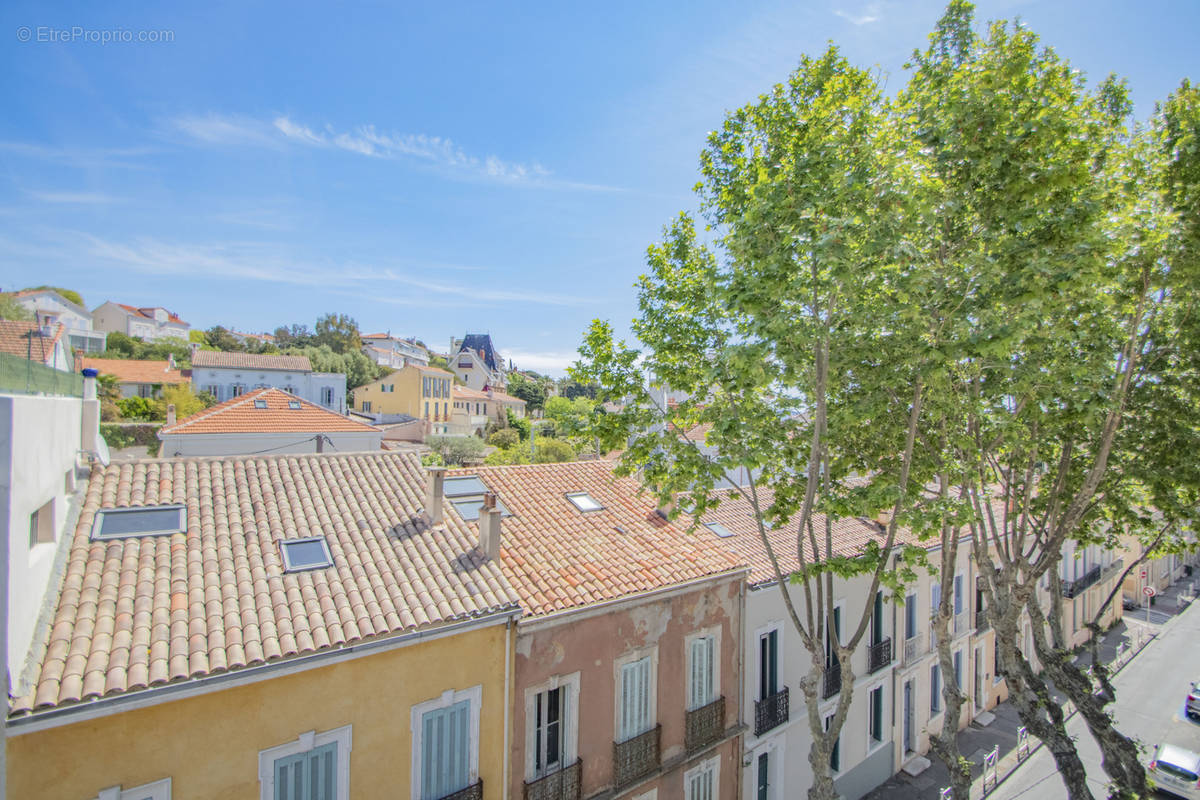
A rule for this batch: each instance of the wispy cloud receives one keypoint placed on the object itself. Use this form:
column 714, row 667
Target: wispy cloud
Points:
column 268, row 262
column 87, row 157
column 550, row 362
column 80, row 198
column 434, row 152
column 225, row 129
column 872, row 13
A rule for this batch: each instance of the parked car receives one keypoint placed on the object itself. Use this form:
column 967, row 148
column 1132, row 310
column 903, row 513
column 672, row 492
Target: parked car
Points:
column 1193, row 701
column 1176, row 771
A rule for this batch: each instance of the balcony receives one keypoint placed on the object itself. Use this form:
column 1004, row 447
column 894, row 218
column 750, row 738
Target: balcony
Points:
column 981, row 620
column 771, row 712
column 879, row 656
column 833, row 681
column 562, row 784
column 961, row 623
column 704, row 725
column 1073, row 588
column 914, row 647
column 636, row 757
column 472, row 792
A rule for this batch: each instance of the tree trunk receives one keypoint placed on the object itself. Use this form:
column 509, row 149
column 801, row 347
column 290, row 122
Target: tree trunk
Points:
column 945, row 744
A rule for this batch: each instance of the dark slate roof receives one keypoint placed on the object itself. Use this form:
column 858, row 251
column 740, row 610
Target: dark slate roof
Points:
column 478, row 342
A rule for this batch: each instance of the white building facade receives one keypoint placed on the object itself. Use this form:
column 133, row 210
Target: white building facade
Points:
column 51, row 307
column 148, row 324
column 230, row 375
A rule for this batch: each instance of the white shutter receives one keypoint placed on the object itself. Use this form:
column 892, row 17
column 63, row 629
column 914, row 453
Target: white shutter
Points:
column 635, row 698
column 701, row 685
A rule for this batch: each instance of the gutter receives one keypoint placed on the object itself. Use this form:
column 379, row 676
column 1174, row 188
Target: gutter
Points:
column 194, row 687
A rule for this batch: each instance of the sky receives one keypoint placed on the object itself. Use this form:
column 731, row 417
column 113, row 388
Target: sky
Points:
column 430, row 169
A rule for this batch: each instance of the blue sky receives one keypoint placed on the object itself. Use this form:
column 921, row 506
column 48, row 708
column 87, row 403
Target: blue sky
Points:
column 430, row 169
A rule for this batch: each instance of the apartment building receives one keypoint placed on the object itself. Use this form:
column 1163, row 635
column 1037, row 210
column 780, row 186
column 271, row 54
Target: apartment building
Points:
column 49, row 308
column 148, row 323
column 627, row 657
column 416, row 392
column 229, row 375
column 261, row 628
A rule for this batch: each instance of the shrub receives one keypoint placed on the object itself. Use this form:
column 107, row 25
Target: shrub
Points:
column 505, row 437
column 549, row 451
column 136, row 408
column 456, row 450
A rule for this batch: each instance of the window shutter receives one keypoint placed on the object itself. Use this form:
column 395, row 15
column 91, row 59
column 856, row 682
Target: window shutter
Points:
column 322, row 769
column 290, row 777
column 635, row 698
column 445, row 757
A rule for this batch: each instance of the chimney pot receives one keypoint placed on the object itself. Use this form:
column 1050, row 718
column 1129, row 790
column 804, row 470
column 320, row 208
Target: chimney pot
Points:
column 435, row 492
column 489, row 528
column 170, row 413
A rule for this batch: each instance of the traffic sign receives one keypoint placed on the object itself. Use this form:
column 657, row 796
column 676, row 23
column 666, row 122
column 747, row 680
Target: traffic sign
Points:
column 1149, row 591
column 1143, row 574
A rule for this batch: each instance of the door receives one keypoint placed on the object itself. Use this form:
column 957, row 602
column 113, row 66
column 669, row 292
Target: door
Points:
column 764, row 772
column 908, row 716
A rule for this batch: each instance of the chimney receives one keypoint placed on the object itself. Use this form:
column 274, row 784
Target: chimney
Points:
column 489, row 528
column 170, row 361
column 435, row 492
column 193, row 347
column 883, row 517
column 90, row 425
column 170, row 414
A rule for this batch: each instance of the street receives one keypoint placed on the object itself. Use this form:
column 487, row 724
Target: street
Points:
column 1150, row 707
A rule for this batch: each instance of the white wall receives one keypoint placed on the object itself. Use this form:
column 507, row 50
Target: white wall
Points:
column 309, row 386
column 232, row 444
column 39, row 440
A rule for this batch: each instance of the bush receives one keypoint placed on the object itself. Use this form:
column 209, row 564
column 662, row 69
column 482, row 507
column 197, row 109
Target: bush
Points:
column 505, row 437
column 518, row 454
column 456, row 450
column 432, row 460
column 549, row 451
column 185, row 401
column 521, row 424
column 136, row 408
column 120, row 436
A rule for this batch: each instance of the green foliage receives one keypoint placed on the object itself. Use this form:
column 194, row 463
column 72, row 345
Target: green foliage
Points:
column 505, row 437
column 293, row 336
column 571, row 389
column 186, row 402
column 220, row 338
column 517, row 454
column 457, row 450
column 357, row 368
column 432, row 459
column 338, row 332
column 196, row 336
column 550, row 451
column 70, row 294
column 136, row 408
column 121, row 346
column 11, row 309
column 520, row 424
column 121, row 436
column 439, row 362
column 532, row 391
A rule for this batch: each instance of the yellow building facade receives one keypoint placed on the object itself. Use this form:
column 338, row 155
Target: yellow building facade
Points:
column 421, row 392
column 209, row 740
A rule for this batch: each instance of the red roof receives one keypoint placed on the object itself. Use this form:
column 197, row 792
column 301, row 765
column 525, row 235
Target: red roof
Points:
column 241, row 415
column 23, row 338
column 148, row 313
column 134, row 371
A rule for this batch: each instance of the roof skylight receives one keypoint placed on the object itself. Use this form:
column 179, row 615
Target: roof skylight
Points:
column 260, row 403
column 294, row 405
column 125, row 523
column 719, row 529
column 584, row 501
column 464, row 485
column 305, row 554
column 470, row 507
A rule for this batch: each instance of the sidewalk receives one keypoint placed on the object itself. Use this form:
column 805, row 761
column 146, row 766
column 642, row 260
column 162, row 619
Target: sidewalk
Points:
column 1126, row 639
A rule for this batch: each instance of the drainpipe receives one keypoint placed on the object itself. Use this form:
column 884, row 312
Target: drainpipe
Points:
column 741, row 684
column 897, row 753
column 508, row 701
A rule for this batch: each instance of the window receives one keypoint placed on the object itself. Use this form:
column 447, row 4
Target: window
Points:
column 327, row 396
column 121, row 523
column 237, row 390
column 935, row 597
column 445, row 735
column 719, row 529
column 702, row 665
column 551, row 712
column 768, row 664
column 305, row 554
column 41, row 525
column 958, row 669
column 366, row 406
column 260, row 403
column 877, row 621
column 835, row 754
column 635, row 697
column 701, row 782
column 935, row 689
column 836, row 637
column 584, row 501
column 875, row 710
column 294, row 405
column 145, row 390
column 316, row 766
column 958, row 594
column 996, row 677
column 290, row 389
column 762, row 783
column 159, row 790
column 426, row 409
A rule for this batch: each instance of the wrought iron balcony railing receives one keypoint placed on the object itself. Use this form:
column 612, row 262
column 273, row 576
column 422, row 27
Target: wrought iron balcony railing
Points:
column 704, row 725
column 771, row 712
column 1073, row 588
column 636, row 757
column 472, row 792
column 879, row 655
column 981, row 619
column 833, row 681
column 562, row 784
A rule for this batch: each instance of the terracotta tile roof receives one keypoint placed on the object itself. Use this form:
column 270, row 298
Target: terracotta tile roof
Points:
column 374, row 336
column 142, row 612
column 148, row 312
column 465, row 393
column 218, row 358
column 134, row 371
column 850, row 535
column 432, row 370
column 507, row 399
column 558, row 557
column 240, row 415
column 21, row 338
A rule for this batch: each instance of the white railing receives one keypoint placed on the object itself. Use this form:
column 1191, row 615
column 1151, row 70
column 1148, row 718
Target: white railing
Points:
column 913, row 648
